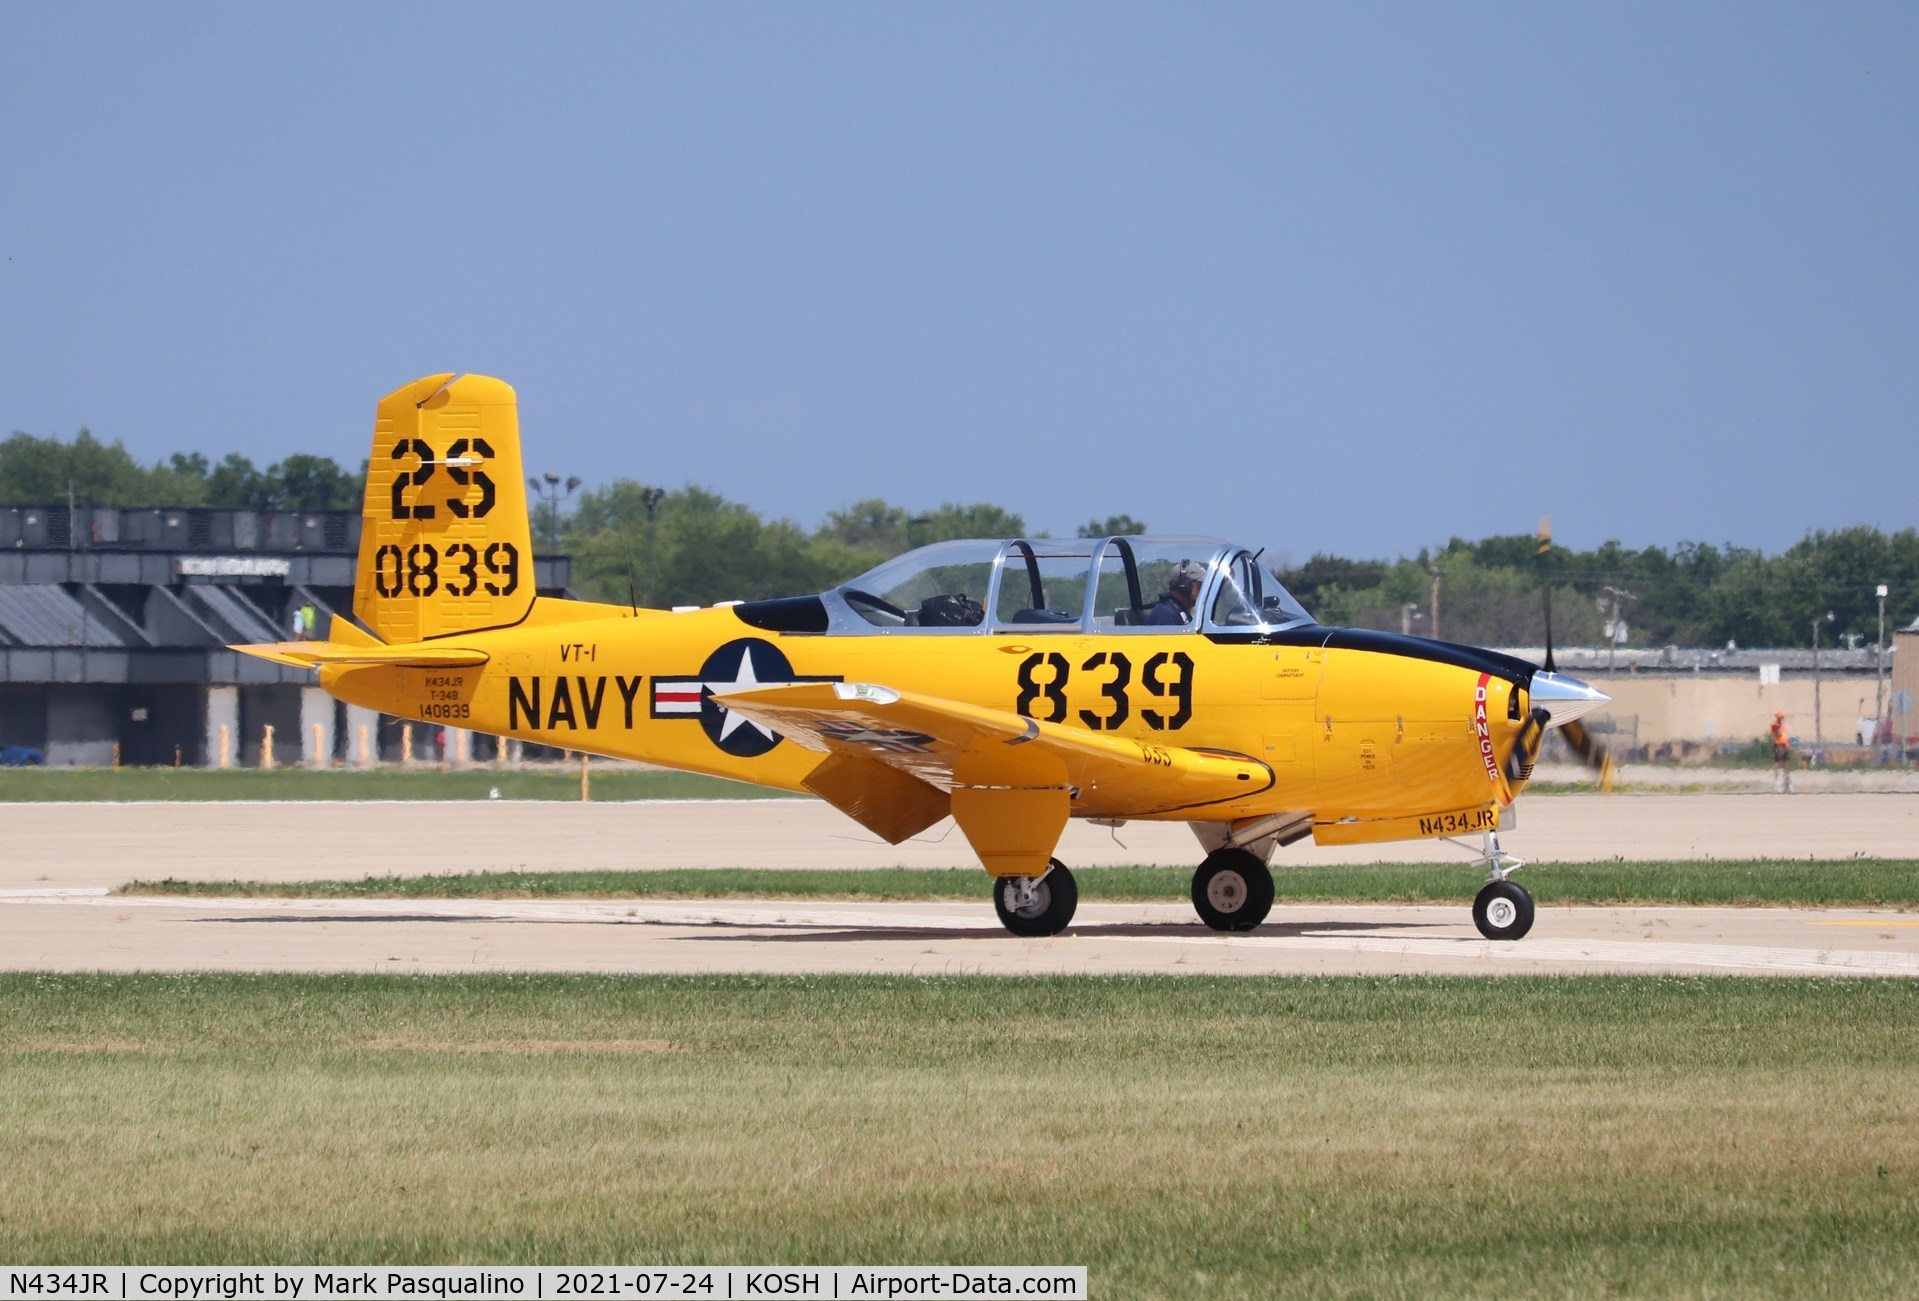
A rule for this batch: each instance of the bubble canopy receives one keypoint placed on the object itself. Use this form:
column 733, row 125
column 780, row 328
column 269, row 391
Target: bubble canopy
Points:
column 1083, row 585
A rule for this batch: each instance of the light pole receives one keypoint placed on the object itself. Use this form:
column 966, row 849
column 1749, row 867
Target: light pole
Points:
column 552, row 491
column 1613, row 637
column 1818, row 729
column 651, row 500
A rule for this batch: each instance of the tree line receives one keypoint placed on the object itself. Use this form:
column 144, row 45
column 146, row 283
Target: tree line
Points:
column 693, row 547
column 87, row 472
column 1696, row 594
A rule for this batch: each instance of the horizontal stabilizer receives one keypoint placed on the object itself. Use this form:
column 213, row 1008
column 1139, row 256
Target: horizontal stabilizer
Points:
column 319, row 654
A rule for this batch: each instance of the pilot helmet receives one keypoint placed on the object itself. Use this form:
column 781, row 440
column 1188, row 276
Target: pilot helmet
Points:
column 1187, row 572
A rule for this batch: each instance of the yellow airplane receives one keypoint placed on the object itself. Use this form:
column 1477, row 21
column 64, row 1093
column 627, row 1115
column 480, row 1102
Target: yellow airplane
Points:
column 1010, row 685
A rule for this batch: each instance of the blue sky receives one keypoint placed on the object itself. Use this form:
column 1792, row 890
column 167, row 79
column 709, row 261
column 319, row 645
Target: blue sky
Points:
column 1350, row 278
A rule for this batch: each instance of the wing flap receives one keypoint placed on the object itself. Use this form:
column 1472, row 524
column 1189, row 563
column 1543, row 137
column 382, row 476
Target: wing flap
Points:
column 892, row 804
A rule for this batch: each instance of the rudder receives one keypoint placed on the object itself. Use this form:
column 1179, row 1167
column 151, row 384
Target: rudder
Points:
column 445, row 542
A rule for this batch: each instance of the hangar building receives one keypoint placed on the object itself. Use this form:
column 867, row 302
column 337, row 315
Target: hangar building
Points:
column 114, row 627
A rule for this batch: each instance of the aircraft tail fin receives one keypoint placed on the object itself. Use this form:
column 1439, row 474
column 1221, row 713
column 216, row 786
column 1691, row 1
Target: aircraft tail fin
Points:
column 446, row 545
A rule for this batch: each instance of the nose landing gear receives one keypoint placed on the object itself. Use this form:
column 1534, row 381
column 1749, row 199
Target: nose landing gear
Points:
column 1503, row 910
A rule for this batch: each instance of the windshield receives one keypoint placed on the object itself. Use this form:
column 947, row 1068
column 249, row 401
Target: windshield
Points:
column 1249, row 596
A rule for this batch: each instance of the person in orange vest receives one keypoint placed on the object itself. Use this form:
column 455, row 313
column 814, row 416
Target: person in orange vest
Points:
column 1781, row 753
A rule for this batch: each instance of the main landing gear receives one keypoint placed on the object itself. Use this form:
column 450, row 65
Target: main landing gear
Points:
column 1037, row 905
column 1503, row 910
column 1232, row 890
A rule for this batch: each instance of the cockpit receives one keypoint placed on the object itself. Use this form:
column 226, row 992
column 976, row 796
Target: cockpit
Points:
column 1085, row 585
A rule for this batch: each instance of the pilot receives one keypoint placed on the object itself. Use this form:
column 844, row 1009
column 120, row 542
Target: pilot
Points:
column 1182, row 589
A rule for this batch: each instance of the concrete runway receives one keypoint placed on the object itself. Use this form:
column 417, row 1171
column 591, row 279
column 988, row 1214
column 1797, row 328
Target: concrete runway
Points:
column 56, row 914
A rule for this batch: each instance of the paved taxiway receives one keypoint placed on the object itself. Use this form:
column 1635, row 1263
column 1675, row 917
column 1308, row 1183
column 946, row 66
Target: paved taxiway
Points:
column 56, row 912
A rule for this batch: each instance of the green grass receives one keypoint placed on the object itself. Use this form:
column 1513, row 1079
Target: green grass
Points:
column 1178, row 1136
column 1864, row 882
column 559, row 782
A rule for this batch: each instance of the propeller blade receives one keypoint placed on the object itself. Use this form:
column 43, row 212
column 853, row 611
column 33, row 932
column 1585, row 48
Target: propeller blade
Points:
column 1525, row 751
column 1594, row 755
column 1591, row 752
column 1545, row 583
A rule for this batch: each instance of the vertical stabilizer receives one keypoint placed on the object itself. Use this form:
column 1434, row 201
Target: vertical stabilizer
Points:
column 445, row 543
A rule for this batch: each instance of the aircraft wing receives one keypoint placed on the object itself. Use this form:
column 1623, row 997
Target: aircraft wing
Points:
column 895, row 758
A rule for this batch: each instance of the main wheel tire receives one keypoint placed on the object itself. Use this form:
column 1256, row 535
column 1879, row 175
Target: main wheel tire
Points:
column 1048, row 912
column 1503, row 911
column 1232, row 890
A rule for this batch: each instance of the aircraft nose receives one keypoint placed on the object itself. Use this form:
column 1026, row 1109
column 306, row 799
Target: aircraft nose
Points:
column 1563, row 698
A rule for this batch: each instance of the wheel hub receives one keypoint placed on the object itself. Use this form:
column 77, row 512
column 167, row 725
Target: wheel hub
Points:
column 1029, row 897
column 1502, row 913
column 1226, row 892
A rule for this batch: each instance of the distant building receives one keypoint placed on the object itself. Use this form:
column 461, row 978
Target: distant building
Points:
column 1671, row 702
column 114, row 626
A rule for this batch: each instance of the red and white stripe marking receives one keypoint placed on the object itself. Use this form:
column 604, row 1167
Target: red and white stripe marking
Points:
column 677, row 697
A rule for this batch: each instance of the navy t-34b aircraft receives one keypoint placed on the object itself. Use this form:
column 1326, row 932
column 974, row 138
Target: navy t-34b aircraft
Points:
column 1009, row 685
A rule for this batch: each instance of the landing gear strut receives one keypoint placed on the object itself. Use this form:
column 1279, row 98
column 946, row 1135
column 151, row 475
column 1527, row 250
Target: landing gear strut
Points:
column 1232, row 890
column 1503, row 910
column 1037, row 905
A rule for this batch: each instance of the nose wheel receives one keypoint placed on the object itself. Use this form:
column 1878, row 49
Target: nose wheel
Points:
column 1037, row 905
column 1503, row 910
